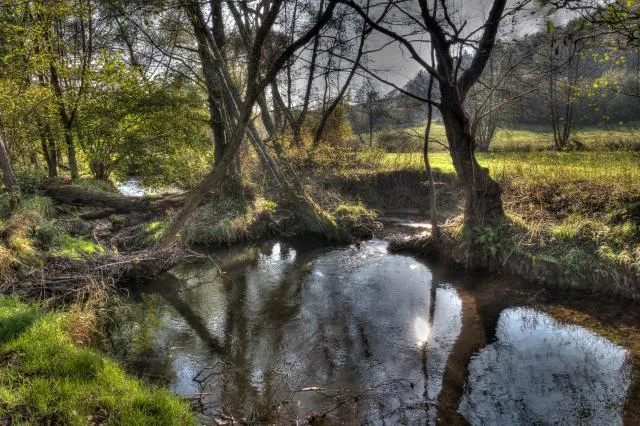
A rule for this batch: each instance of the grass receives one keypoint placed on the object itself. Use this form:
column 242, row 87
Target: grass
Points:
column 360, row 220
column 535, row 138
column 620, row 167
column 229, row 221
column 46, row 379
column 577, row 213
column 96, row 185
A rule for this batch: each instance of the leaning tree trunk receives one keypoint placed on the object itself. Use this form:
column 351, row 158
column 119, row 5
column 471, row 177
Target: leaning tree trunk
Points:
column 483, row 200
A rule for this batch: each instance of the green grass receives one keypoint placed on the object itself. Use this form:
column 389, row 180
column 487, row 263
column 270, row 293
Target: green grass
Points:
column 579, row 211
column 46, row 379
column 620, row 167
column 536, row 138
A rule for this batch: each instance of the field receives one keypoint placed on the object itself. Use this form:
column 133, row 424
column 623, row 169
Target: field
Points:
column 621, row 168
column 535, row 138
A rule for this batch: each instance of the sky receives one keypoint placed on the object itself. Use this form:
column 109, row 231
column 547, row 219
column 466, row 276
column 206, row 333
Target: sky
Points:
column 394, row 64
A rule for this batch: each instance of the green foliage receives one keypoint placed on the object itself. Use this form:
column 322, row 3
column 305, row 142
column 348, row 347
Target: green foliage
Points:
column 30, row 183
column 74, row 247
column 118, row 219
column 491, row 238
column 45, row 378
column 96, row 185
column 159, row 129
column 154, row 230
column 337, row 129
column 9, row 200
column 47, row 232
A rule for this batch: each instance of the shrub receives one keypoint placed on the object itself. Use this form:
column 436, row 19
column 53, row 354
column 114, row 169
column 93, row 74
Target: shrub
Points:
column 399, row 142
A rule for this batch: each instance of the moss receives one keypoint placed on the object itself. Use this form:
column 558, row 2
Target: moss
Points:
column 154, row 230
column 96, row 185
column 225, row 222
column 46, row 379
column 74, row 247
column 358, row 219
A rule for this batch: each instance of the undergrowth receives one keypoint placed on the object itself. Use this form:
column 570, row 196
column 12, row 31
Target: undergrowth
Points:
column 228, row 221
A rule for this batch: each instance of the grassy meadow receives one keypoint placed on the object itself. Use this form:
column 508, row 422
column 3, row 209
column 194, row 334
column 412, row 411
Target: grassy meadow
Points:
column 615, row 167
column 48, row 376
column 534, row 138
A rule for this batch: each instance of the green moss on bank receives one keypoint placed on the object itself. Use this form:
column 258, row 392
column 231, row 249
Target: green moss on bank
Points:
column 360, row 220
column 46, row 379
column 228, row 221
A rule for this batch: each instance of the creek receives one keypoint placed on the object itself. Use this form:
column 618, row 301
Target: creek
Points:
column 297, row 330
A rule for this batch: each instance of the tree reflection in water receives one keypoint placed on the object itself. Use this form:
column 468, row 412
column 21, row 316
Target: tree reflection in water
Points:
column 294, row 331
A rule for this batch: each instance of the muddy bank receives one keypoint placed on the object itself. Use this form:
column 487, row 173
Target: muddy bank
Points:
column 391, row 192
column 503, row 257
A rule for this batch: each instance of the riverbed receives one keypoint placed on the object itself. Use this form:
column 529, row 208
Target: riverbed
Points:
column 286, row 331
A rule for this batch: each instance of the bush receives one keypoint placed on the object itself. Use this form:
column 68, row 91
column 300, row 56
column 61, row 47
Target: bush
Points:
column 399, row 142
column 30, row 183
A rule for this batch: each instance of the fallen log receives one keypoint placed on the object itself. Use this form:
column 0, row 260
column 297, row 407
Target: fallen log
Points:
column 75, row 195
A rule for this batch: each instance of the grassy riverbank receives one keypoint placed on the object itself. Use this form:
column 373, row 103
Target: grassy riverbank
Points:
column 48, row 377
column 574, row 218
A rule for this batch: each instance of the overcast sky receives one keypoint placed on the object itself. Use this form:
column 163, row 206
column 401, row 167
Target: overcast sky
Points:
column 394, row 63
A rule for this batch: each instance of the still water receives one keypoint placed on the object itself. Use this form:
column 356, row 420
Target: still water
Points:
column 356, row 335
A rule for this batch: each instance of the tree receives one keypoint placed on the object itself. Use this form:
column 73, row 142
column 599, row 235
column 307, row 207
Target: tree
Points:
column 483, row 202
column 259, row 76
column 565, row 61
column 8, row 177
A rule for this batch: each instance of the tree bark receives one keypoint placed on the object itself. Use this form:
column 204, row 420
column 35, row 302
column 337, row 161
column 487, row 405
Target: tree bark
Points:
column 67, row 122
column 71, row 194
column 483, row 200
column 49, row 157
column 208, row 40
column 8, row 177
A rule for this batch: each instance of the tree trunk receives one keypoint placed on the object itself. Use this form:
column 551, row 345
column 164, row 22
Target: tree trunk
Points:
column 71, row 194
column 49, row 150
column 8, row 177
column 71, row 151
column 297, row 134
column 483, row 200
column 67, row 121
column 433, row 215
column 208, row 42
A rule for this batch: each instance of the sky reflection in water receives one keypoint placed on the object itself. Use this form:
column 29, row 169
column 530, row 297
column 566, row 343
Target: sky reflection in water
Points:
column 348, row 321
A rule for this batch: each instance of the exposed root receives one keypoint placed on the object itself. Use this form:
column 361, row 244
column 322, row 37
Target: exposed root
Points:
column 63, row 279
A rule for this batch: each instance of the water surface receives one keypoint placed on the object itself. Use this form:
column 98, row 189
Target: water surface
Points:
column 296, row 331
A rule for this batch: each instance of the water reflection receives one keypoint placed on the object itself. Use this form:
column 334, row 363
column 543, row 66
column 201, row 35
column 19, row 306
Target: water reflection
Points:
column 293, row 330
column 540, row 372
